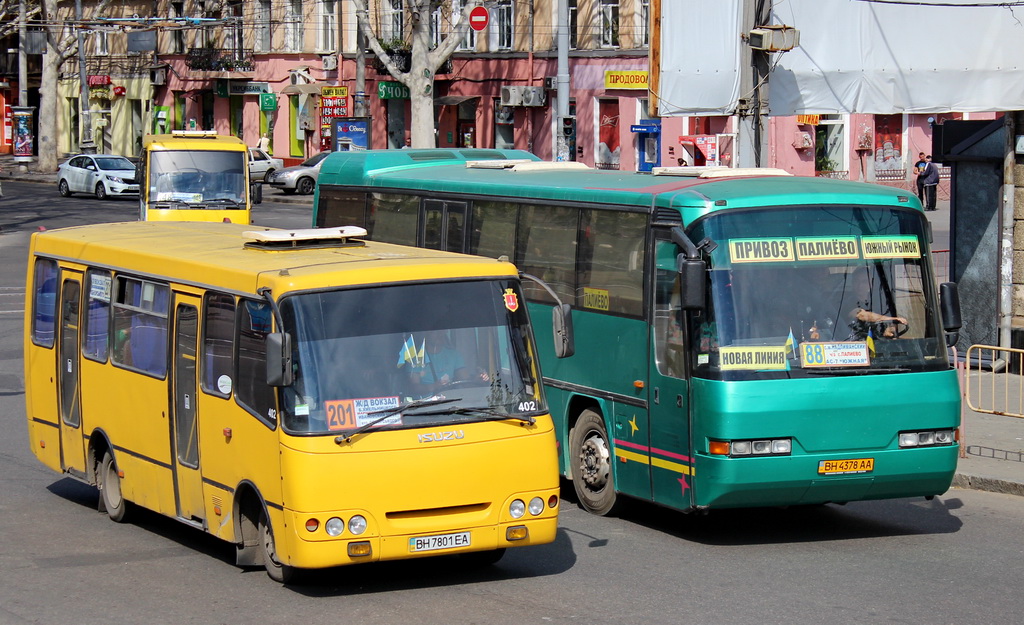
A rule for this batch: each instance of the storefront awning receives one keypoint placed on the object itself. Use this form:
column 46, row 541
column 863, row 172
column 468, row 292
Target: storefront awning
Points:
column 304, row 89
column 453, row 99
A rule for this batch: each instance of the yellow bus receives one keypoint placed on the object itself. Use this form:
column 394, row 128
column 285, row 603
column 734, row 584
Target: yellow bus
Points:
column 195, row 175
column 314, row 398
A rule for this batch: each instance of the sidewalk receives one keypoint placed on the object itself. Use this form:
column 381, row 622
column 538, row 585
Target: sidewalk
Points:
column 9, row 170
column 993, row 444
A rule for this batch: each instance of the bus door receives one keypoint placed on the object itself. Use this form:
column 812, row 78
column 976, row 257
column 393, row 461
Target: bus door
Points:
column 188, row 479
column 72, row 443
column 444, row 225
column 671, row 449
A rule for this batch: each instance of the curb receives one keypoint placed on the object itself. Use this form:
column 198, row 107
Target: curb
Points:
column 990, row 484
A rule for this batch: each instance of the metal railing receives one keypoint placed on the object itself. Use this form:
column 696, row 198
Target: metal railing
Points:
column 1001, row 394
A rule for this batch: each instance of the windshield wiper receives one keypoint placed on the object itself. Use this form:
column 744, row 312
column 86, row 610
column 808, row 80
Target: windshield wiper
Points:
column 223, row 200
column 390, row 412
column 490, row 415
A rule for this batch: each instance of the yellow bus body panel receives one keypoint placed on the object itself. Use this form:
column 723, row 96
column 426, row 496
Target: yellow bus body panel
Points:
column 404, row 487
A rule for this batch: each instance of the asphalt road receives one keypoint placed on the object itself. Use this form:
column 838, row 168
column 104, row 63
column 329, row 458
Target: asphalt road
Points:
column 956, row 559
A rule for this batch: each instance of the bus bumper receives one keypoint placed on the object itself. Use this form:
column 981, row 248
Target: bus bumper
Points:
column 722, row 482
column 304, row 552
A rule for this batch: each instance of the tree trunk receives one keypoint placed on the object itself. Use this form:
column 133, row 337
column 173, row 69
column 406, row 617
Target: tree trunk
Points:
column 47, row 113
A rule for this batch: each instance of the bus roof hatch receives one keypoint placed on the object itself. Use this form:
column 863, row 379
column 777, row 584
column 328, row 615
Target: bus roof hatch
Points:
column 304, row 238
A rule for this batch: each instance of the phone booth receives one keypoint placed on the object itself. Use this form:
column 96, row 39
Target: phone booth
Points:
column 648, row 143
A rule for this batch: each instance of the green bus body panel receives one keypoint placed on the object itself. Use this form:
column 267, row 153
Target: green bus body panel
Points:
column 864, row 423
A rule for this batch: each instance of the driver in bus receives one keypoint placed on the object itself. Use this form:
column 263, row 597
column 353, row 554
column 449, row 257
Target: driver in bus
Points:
column 851, row 292
column 442, row 365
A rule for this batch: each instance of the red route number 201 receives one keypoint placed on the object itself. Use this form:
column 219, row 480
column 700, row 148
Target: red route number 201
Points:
column 341, row 414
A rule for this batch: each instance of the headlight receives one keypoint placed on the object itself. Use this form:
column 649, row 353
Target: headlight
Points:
column 536, row 506
column 517, row 509
column 759, row 447
column 334, row 526
column 927, row 438
column 357, row 525
column 115, row 179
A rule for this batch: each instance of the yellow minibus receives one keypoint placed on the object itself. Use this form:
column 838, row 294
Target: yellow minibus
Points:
column 195, row 175
column 312, row 397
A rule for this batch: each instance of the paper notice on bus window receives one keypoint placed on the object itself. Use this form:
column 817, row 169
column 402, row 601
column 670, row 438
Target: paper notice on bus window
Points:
column 768, row 250
column 891, row 247
column 827, row 248
column 347, row 414
column 596, row 299
column 849, row 354
column 753, row 358
column 99, row 287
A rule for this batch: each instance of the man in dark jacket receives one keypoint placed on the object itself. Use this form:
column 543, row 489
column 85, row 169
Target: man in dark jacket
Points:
column 930, row 181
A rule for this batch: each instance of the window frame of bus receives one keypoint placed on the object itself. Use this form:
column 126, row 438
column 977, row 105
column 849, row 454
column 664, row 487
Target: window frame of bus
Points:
column 245, row 385
column 130, row 313
column 212, row 331
column 101, row 345
column 41, row 278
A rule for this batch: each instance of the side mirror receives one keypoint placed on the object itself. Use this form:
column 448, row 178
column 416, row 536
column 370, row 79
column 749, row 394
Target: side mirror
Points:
column 256, row 192
column 279, row 359
column 561, row 324
column 949, row 305
column 692, row 275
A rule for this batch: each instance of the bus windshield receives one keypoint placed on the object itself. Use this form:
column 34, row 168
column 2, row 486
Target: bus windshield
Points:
column 361, row 353
column 185, row 178
column 817, row 291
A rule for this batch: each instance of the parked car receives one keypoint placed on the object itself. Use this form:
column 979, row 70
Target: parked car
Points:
column 261, row 164
column 104, row 175
column 299, row 179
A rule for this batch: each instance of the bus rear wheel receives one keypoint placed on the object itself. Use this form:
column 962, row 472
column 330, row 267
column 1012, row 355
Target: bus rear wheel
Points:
column 591, row 460
column 278, row 572
column 110, row 490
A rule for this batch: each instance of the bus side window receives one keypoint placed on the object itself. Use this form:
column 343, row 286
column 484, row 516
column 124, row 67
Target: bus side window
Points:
column 341, row 207
column 96, row 338
column 251, row 389
column 140, row 326
column 669, row 345
column 218, row 344
column 44, row 302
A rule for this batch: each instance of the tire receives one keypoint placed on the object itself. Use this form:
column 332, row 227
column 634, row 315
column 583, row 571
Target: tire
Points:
column 305, row 186
column 267, row 175
column 278, row 572
column 590, row 455
column 110, row 490
column 63, row 188
column 288, row 191
column 101, row 191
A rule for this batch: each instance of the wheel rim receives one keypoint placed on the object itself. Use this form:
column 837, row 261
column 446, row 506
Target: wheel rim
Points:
column 63, row 187
column 111, row 487
column 100, row 191
column 595, row 462
column 267, row 539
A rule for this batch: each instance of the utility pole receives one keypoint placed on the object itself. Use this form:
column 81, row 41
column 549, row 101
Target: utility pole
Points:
column 22, row 70
column 753, row 104
column 87, row 146
column 566, row 124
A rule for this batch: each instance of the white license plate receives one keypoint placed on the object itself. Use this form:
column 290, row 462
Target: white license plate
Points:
column 441, row 541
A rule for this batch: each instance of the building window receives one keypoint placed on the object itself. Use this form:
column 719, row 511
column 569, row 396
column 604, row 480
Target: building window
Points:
column 504, row 21
column 469, row 42
column 178, row 34
column 609, row 23
column 645, row 22
column 293, row 26
column 573, row 28
column 236, row 28
column 393, row 20
column 327, row 35
column 262, row 42
column 100, row 44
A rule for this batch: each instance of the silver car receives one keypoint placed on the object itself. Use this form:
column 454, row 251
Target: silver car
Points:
column 262, row 165
column 299, row 179
column 104, row 175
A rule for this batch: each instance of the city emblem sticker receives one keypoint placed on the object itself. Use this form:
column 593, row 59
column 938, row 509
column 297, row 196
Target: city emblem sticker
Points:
column 511, row 300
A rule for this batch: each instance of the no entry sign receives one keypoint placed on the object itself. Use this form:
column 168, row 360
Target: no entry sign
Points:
column 478, row 18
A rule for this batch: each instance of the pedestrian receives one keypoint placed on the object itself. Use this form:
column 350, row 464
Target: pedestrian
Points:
column 263, row 143
column 919, row 171
column 931, row 180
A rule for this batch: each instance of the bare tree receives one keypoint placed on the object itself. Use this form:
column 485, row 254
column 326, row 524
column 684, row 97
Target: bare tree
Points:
column 424, row 60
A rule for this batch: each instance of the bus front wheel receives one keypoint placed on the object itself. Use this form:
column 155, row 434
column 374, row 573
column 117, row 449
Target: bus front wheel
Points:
column 592, row 464
column 110, row 490
column 278, row 572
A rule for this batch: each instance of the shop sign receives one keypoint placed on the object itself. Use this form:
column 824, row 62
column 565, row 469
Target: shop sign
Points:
column 625, row 79
column 333, row 107
column 333, row 92
column 648, row 128
column 119, row 90
column 97, row 81
column 392, row 90
column 247, row 87
column 811, row 120
column 268, row 101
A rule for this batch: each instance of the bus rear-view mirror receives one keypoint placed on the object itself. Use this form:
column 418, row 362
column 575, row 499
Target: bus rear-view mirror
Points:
column 561, row 323
column 256, row 193
column 279, row 359
column 692, row 274
column 949, row 305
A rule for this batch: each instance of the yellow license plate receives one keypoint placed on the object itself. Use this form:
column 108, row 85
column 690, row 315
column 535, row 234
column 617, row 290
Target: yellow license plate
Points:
column 851, row 465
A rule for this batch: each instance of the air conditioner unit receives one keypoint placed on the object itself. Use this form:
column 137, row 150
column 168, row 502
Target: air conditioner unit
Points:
column 158, row 76
column 534, row 96
column 511, row 95
column 774, row 38
column 330, row 61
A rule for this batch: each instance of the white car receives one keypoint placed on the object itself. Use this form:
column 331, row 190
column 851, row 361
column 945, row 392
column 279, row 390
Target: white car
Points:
column 299, row 179
column 261, row 165
column 104, row 175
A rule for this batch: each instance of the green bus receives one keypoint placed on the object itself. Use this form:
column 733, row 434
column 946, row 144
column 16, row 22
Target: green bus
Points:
column 743, row 337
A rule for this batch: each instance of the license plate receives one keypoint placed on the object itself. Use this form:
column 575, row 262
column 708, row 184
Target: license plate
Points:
column 851, row 465
column 441, row 541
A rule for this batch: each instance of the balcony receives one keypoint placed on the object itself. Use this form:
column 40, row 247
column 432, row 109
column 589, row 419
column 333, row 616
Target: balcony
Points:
column 219, row 60
column 401, row 59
